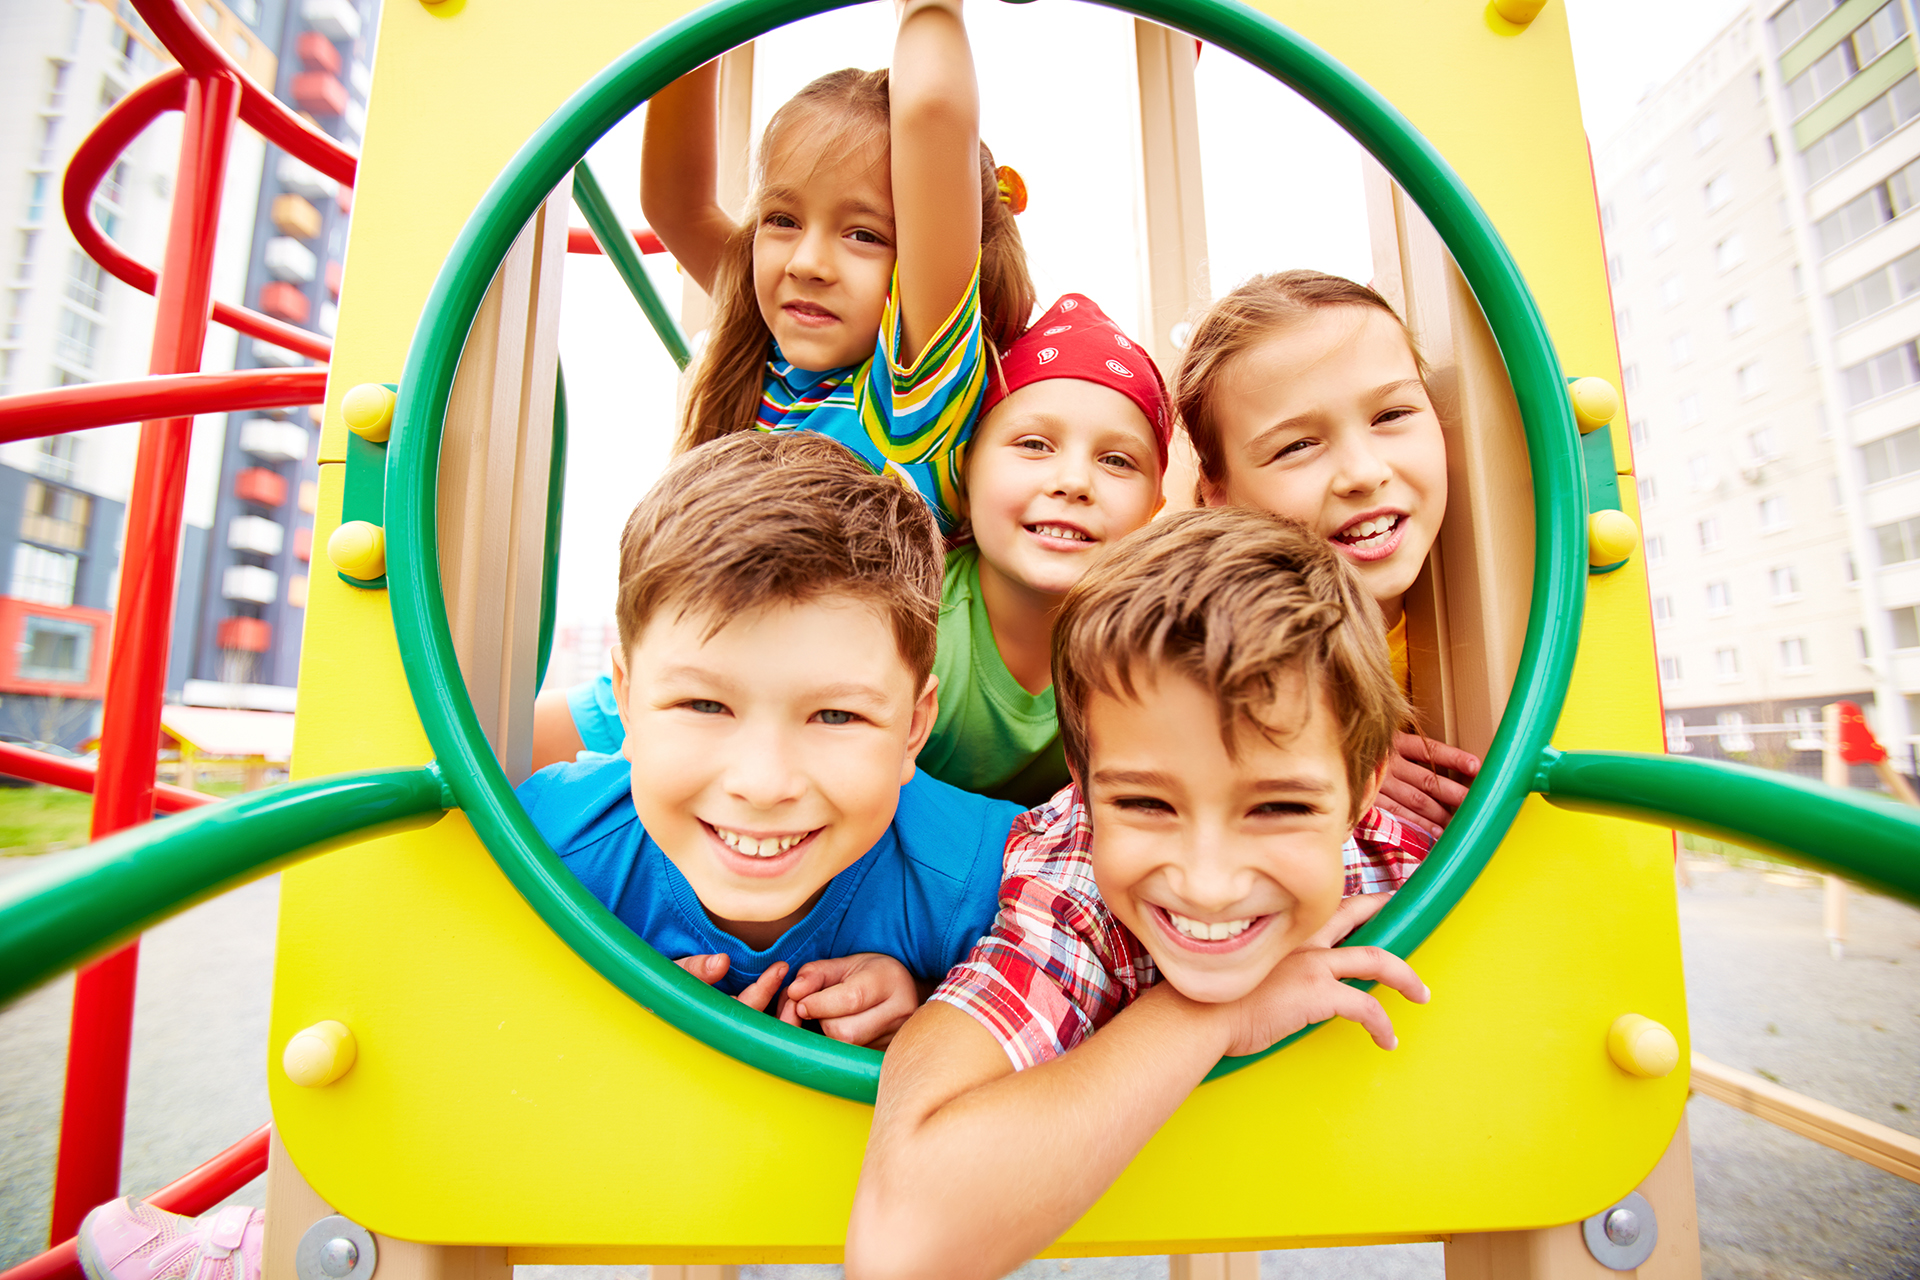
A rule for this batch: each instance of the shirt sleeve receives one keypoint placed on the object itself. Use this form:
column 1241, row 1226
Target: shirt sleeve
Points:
column 1056, row 965
column 1383, row 853
column 596, row 716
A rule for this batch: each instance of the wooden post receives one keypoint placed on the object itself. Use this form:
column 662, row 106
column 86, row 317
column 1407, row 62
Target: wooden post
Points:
column 1214, row 1266
column 493, row 483
column 1176, row 282
column 1833, row 772
column 1467, row 612
column 694, row 1272
column 1560, row 1253
column 293, row 1206
column 736, row 147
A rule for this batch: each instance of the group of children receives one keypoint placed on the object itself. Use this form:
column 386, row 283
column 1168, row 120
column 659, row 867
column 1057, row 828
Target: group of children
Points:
column 924, row 733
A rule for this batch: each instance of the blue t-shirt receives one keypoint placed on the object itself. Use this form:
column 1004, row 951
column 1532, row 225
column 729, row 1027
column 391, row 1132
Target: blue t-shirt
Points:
column 923, row 895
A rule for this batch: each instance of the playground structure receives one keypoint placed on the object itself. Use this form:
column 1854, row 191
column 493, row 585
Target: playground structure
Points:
column 541, row 1088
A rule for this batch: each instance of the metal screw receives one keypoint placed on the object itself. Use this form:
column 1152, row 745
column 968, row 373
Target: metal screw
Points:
column 1623, row 1227
column 338, row 1256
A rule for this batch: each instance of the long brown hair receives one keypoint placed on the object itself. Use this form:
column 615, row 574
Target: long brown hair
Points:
column 1261, row 307
column 847, row 110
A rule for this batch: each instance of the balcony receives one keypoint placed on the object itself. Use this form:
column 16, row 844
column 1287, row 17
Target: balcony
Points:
column 334, row 19
column 319, row 93
column 317, row 53
column 250, row 583
column 275, row 442
column 249, row 635
column 284, row 301
column 293, row 216
column 288, row 259
column 304, row 180
column 256, row 535
column 260, row 486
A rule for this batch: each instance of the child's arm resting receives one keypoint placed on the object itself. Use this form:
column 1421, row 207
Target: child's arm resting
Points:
column 972, row 1168
column 934, row 105
column 680, row 173
column 857, row 999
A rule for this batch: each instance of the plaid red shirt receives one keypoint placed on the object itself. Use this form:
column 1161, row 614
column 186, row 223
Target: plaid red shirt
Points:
column 1058, row 964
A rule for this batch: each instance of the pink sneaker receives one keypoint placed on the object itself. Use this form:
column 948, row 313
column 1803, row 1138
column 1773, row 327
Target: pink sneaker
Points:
column 126, row 1239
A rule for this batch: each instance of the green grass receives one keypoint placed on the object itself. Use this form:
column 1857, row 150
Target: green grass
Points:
column 40, row 819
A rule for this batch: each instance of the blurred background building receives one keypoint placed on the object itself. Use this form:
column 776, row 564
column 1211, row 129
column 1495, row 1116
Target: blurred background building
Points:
column 243, row 569
column 1764, row 275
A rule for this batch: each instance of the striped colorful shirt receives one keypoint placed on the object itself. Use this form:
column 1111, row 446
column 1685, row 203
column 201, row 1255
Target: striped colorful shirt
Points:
column 1059, row 965
column 911, row 420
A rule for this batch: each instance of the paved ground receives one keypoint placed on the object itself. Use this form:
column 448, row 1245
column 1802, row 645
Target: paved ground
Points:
column 1764, row 996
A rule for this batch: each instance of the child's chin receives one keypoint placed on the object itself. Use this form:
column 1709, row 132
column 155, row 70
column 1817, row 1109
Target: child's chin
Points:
column 1214, row 987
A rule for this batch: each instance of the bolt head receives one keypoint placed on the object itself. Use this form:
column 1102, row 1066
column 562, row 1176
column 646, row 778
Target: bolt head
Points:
column 1623, row 1226
column 338, row 1256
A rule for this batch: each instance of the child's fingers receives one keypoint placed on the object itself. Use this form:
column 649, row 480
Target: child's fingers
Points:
column 789, row 1010
column 1381, row 966
column 1441, row 788
column 1348, row 916
column 1440, row 755
column 1389, row 798
column 842, row 999
column 871, row 1027
column 1358, row 1006
column 760, row 991
column 709, row 969
column 816, row 975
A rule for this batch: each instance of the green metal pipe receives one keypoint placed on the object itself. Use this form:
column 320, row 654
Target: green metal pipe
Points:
column 556, row 498
column 1860, row 835
column 69, row 906
column 620, row 251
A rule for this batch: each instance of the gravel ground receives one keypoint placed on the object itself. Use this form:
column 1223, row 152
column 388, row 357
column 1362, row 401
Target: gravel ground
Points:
column 1764, row 995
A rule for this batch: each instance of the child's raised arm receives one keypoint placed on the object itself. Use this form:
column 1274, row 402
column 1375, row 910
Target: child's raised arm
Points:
column 680, row 173
column 934, row 103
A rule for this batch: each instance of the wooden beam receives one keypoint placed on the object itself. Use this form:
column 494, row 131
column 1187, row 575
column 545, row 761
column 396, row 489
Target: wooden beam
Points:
column 1863, row 1139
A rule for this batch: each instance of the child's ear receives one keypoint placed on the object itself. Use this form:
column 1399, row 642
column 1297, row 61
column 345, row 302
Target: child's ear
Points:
column 620, row 695
column 1373, row 786
column 926, row 710
column 1208, row 492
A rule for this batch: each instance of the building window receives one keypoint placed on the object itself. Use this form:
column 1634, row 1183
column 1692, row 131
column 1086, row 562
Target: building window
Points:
column 1639, row 431
column 1906, row 627
column 1677, row 743
column 1841, row 63
column 1623, row 322
column 1899, row 541
column 1661, row 234
column 86, row 282
column 1797, row 18
column 1750, row 379
column 1709, row 530
column 1783, row 582
column 1806, row 732
column 1680, row 348
column 1606, row 216
column 1875, row 292
column 1719, row 598
column 1670, row 670
column 1672, row 290
column 1891, row 456
column 1662, row 609
column 1733, row 724
column 1881, row 375
column 77, row 339
column 1706, row 131
column 1864, row 130
column 1730, row 253
column 56, row 517
column 1763, row 443
column 1630, row 378
column 1726, row 663
column 1616, row 268
column 1773, row 513
column 55, row 462
column 1690, row 412
column 42, row 576
column 1793, row 654
column 1648, row 488
column 1719, row 191
column 1700, row 472
column 56, row 649
column 1656, row 548
column 1652, row 178
column 1740, row 315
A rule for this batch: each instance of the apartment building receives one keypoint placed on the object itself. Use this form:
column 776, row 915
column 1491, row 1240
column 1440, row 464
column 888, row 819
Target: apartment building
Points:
column 1762, row 271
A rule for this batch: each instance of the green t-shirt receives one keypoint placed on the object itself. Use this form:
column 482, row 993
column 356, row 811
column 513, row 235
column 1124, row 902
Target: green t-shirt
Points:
column 992, row 736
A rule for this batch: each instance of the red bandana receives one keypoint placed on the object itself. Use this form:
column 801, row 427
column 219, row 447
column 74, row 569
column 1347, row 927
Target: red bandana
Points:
column 1074, row 339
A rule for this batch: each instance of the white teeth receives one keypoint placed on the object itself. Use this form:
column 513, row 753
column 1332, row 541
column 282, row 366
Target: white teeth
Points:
column 1369, row 528
column 756, row 847
column 1210, row 930
column 1059, row 531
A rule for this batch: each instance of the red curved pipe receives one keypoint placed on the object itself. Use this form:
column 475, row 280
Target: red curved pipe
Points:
column 265, row 114
column 581, row 240
column 78, row 775
column 96, row 155
column 192, row 1195
column 100, row 404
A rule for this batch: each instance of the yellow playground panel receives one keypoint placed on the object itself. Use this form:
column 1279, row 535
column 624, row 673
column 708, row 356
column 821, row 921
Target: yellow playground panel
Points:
column 504, row 1094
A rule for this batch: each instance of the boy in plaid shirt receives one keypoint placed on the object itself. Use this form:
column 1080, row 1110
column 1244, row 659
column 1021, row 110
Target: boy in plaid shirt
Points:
column 1227, row 708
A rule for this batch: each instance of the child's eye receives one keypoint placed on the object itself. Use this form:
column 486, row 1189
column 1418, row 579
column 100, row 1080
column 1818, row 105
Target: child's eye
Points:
column 1119, row 461
column 1295, row 448
column 866, row 237
column 835, row 717
column 1283, row 809
column 781, row 220
column 1394, row 415
column 1033, row 444
column 1142, row 804
column 705, row 706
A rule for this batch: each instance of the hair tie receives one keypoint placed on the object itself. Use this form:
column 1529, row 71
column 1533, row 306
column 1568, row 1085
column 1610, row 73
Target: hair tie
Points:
column 1013, row 188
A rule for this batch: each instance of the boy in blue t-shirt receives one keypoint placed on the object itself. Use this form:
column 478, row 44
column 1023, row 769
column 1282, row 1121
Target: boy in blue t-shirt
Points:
column 778, row 610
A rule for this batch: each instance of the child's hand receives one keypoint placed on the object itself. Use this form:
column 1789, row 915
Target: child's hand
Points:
column 1306, row 988
column 857, row 999
column 1348, row 916
column 710, row 969
column 1412, row 790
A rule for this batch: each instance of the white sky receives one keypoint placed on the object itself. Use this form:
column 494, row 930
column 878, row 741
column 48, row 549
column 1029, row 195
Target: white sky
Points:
column 1074, row 138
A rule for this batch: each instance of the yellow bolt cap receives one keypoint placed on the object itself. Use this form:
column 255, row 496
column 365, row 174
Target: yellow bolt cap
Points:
column 1611, row 537
column 1642, row 1047
column 1595, row 403
column 359, row 550
column 319, row 1055
column 1519, row 11
column 368, row 409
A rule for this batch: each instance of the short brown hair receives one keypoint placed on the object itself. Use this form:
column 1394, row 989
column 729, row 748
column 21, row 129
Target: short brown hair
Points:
column 1233, row 599
column 763, row 518
column 1263, row 306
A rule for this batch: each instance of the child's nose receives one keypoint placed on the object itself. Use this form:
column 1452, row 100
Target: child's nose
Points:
column 1072, row 476
column 1360, row 470
column 763, row 772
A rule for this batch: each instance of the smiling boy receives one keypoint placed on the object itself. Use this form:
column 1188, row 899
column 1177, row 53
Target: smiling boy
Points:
column 1227, row 707
column 777, row 617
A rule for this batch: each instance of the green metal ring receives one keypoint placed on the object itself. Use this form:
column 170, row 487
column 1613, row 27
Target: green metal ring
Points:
column 419, row 610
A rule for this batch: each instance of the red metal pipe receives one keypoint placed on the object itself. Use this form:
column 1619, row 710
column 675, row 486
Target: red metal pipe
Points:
column 78, row 775
column 100, row 404
column 265, row 114
column 91, row 162
column 93, row 1113
column 192, row 1195
column 581, row 240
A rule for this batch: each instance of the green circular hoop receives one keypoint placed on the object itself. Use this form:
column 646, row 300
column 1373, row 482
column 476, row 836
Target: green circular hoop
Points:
column 419, row 608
